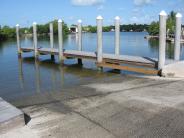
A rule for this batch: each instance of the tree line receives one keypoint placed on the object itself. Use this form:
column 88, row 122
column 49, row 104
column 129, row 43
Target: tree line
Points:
column 123, row 28
column 7, row 32
column 152, row 29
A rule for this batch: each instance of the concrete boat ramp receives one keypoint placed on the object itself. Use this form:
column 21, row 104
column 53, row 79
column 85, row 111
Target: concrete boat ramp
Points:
column 114, row 107
column 10, row 116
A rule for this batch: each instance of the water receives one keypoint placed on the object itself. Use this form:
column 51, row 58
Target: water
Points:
column 20, row 78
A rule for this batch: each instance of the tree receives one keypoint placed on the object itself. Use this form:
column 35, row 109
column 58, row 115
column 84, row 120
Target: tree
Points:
column 44, row 29
column 134, row 27
column 171, row 20
column 153, row 28
column 92, row 29
column 7, row 32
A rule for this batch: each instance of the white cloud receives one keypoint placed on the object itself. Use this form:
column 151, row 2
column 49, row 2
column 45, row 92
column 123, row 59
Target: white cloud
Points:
column 100, row 8
column 142, row 2
column 87, row 2
column 71, row 18
column 141, row 19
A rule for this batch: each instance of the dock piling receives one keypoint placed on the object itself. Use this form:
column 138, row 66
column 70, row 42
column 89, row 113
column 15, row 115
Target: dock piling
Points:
column 117, row 35
column 60, row 38
column 99, row 21
column 80, row 35
column 99, row 39
column 35, row 39
column 18, row 40
column 162, row 39
column 177, row 36
column 51, row 39
column 80, row 39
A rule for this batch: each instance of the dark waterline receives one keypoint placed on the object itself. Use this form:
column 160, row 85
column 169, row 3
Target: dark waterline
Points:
column 25, row 77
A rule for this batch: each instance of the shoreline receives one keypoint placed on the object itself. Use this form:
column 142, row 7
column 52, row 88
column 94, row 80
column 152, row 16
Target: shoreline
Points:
column 157, row 37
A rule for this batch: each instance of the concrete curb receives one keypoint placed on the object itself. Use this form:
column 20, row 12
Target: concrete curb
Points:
column 10, row 117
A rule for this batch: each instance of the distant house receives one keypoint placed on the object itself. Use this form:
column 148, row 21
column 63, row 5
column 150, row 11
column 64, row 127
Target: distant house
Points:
column 73, row 29
column 112, row 30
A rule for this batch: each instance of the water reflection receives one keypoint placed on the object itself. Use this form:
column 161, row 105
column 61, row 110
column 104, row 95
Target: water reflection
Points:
column 21, row 75
column 154, row 47
column 50, row 76
column 37, row 76
column 153, row 44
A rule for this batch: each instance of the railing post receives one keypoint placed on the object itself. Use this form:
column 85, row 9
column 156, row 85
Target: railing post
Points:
column 80, row 39
column 60, row 38
column 18, row 40
column 51, row 39
column 35, row 43
column 162, row 39
column 117, row 35
column 177, row 37
column 99, row 21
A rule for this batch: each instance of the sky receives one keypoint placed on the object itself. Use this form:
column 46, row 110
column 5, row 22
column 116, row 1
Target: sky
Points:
column 25, row 12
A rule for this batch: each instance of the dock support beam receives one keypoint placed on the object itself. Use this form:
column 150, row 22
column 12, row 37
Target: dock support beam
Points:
column 60, row 38
column 99, row 21
column 80, row 39
column 117, row 35
column 162, row 39
column 177, row 37
column 35, row 40
column 18, row 40
column 51, row 39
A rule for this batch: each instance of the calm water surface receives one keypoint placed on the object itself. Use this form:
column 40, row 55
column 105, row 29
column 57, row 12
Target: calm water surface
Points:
column 24, row 77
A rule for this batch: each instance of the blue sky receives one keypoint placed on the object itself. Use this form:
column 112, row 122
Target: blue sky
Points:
column 25, row 12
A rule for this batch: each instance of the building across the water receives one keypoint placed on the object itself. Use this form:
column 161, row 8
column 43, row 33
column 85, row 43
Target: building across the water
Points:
column 73, row 29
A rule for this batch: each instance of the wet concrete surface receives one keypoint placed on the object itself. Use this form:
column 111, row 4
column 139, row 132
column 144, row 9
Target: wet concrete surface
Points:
column 119, row 106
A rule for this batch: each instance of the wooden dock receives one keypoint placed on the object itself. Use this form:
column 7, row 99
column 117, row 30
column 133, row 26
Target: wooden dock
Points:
column 121, row 62
column 138, row 64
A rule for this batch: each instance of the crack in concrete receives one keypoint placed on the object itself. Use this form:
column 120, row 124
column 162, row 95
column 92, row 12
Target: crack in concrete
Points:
column 94, row 122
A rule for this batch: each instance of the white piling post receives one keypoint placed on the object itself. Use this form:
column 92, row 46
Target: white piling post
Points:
column 162, row 39
column 80, row 35
column 51, row 36
column 35, row 43
column 51, row 39
column 177, row 36
column 79, row 27
column 99, row 21
column 18, row 39
column 60, row 38
column 117, row 35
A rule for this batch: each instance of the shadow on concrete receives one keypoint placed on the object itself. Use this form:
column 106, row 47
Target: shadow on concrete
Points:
column 27, row 118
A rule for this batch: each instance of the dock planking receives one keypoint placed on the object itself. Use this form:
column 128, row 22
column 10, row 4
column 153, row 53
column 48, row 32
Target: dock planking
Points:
column 27, row 49
column 93, row 55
